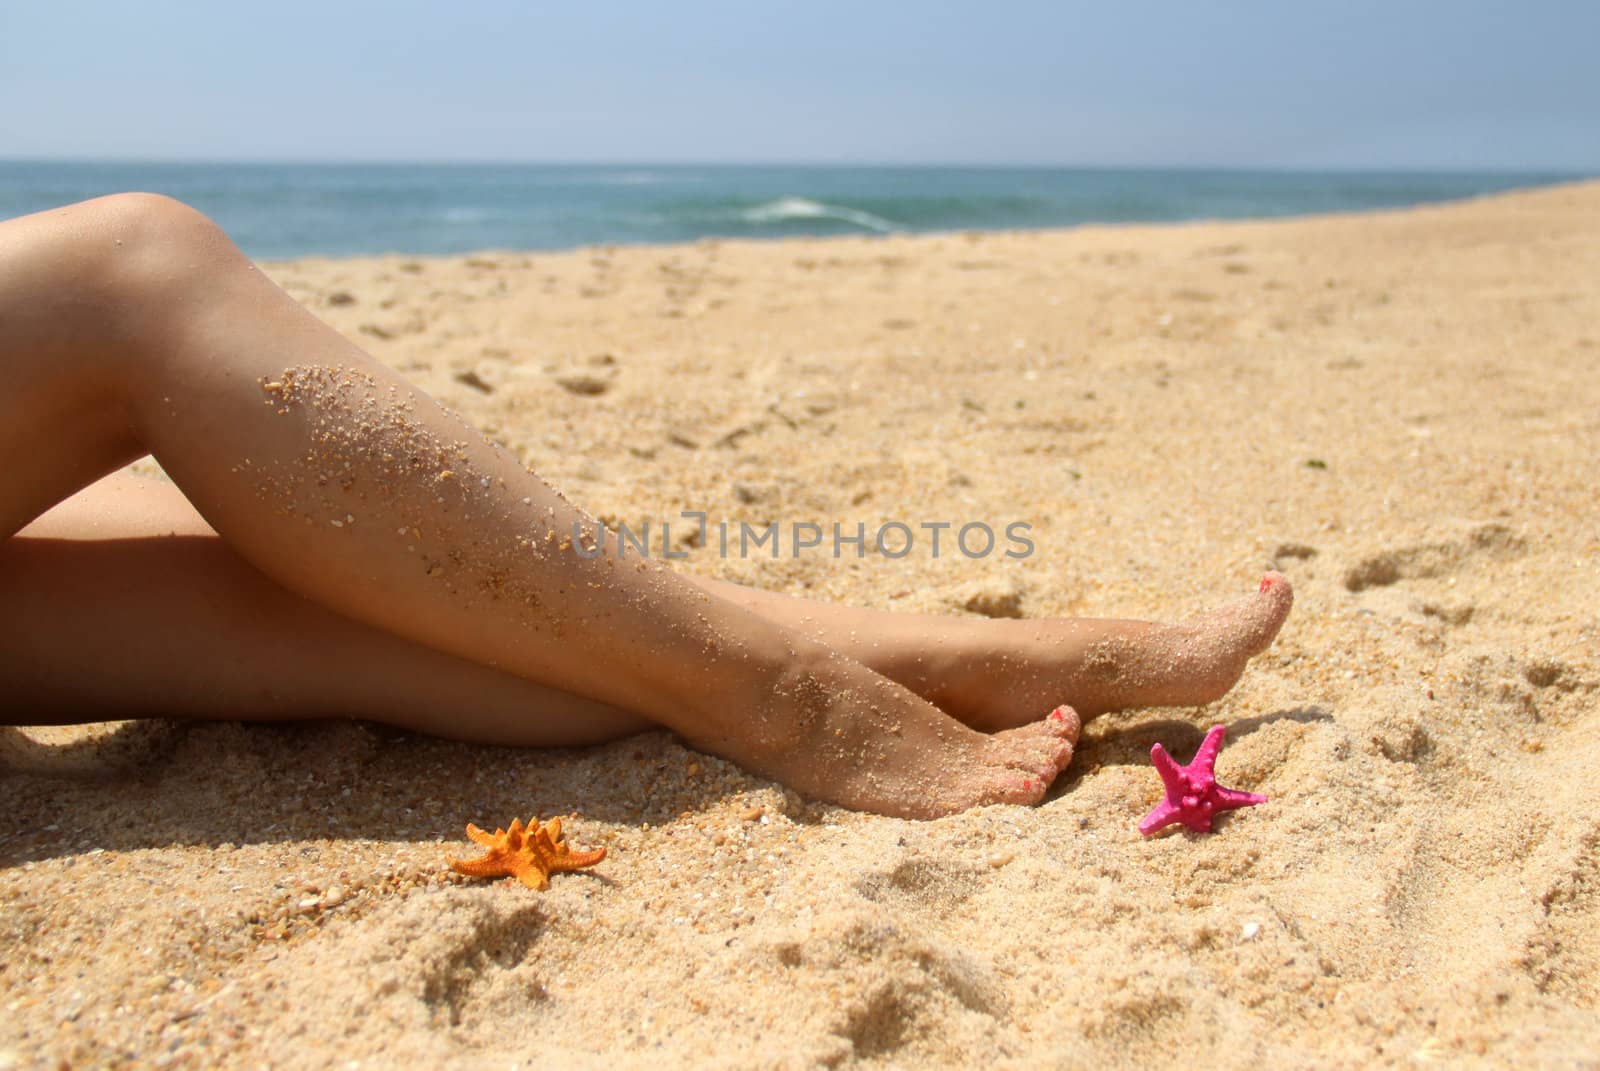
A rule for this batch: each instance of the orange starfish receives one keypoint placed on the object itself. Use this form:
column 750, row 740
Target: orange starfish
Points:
column 530, row 856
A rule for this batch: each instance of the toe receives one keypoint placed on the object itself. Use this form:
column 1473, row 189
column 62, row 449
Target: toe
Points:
column 1042, row 748
column 1278, row 594
column 1273, row 601
column 1046, row 757
column 1063, row 726
column 1019, row 790
column 1065, row 723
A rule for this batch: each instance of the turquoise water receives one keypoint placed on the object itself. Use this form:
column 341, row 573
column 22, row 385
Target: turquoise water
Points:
column 291, row 210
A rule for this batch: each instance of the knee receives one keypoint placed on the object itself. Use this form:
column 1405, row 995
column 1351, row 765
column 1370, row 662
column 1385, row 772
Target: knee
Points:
column 152, row 244
column 123, row 259
column 127, row 212
column 93, row 295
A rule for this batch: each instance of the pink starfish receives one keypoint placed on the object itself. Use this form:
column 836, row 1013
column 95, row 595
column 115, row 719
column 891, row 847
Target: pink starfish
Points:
column 1193, row 795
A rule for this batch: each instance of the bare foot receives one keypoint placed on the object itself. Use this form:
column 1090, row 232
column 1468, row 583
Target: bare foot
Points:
column 836, row 731
column 1024, row 667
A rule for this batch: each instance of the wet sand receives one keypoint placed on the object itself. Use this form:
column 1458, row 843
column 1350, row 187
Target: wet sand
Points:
column 1399, row 411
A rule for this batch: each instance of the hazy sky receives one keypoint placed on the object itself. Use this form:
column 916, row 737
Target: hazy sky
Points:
column 1355, row 84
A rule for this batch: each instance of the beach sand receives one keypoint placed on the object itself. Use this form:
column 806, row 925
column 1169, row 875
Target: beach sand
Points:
column 1398, row 410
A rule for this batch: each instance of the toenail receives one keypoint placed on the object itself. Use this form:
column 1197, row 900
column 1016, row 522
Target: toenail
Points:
column 1266, row 582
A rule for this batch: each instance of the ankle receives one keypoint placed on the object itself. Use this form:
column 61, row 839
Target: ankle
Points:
column 768, row 709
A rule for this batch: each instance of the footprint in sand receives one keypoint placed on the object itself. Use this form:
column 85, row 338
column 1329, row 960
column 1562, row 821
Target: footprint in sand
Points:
column 1442, row 557
column 921, row 884
column 891, row 989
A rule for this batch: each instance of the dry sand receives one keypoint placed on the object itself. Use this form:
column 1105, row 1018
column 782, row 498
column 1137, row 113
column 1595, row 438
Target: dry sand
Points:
column 1398, row 410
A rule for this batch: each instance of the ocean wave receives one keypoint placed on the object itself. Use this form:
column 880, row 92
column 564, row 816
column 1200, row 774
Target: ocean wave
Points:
column 788, row 208
column 635, row 178
column 464, row 215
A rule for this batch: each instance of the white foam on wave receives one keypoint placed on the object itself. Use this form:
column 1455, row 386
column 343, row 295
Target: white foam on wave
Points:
column 624, row 178
column 787, row 208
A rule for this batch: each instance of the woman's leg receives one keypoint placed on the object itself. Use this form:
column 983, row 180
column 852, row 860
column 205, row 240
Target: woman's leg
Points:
column 994, row 674
column 125, row 577
column 132, row 324
column 183, row 627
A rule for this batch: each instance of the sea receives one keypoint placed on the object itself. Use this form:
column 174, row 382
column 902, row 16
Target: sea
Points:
column 293, row 210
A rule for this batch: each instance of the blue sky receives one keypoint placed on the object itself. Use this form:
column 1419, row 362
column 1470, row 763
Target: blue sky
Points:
column 1367, row 85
